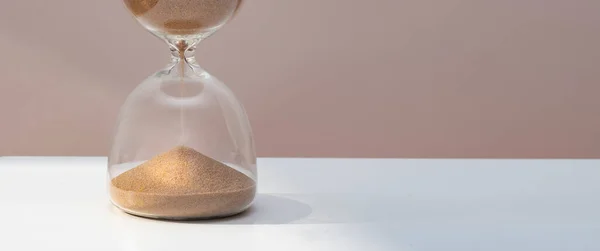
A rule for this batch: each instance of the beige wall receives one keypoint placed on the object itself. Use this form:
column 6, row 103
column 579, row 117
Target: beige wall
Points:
column 378, row 78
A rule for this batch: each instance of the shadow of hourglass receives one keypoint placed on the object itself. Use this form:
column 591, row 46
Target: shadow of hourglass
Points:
column 267, row 209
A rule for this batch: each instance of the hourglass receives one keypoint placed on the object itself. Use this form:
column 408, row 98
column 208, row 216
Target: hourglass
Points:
column 183, row 146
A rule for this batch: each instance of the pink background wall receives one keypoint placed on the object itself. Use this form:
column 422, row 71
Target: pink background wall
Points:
column 377, row 78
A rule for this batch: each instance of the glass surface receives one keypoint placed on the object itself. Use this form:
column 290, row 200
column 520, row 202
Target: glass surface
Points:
column 181, row 127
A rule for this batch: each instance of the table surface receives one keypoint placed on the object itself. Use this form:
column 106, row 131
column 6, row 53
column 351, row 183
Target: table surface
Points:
column 60, row 203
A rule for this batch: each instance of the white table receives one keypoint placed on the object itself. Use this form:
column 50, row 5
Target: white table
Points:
column 55, row 203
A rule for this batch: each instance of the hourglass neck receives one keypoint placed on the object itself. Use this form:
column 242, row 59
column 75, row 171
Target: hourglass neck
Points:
column 183, row 49
column 188, row 54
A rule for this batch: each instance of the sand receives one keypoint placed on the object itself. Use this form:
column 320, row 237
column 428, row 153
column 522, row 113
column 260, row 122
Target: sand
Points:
column 182, row 183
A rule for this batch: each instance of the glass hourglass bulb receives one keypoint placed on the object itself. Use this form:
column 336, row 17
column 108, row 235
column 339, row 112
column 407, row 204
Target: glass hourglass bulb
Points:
column 183, row 145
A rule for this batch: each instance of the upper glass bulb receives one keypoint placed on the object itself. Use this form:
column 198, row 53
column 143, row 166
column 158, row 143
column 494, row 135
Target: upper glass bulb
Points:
column 183, row 18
